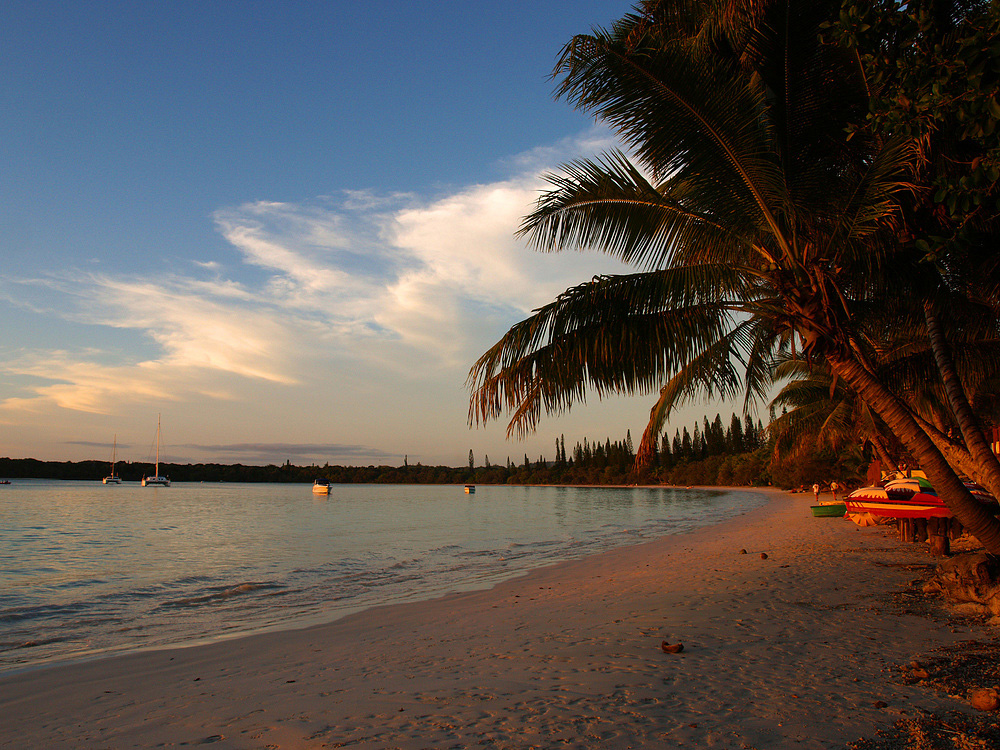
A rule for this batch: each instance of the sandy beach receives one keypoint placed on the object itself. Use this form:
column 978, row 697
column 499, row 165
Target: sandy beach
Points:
column 800, row 648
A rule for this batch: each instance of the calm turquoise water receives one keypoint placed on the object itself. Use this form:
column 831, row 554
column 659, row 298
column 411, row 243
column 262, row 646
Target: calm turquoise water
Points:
column 88, row 569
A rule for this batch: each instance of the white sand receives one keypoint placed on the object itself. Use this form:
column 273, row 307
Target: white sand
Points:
column 791, row 651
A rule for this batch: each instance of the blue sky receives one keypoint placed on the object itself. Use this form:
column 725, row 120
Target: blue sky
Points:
column 286, row 226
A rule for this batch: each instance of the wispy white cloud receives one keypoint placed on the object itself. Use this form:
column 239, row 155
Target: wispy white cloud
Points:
column 202, row 330
column 409, row 287
column 550, row 157
column 429, row 277
column 199, row 325
column 75, row 380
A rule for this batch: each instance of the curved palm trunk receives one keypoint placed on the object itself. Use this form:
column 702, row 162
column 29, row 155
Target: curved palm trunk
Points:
column 972, row 433
column 883, row 454
column 975, row 517
column 647, row 445
column 959, row 457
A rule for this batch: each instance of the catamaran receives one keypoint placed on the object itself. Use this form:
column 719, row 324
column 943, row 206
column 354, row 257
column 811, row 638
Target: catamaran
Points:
column 156, row 480
column 114, row 478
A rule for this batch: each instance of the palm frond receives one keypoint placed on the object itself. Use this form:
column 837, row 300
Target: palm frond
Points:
column 609, row 205
column 684, row 113
column 711, row 373
column 626, row 334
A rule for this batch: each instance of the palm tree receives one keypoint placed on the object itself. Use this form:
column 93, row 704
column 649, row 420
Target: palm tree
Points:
column 971, row 429
column 820, row 412
column 756, row 226
column 946, row 370
column 931, row 74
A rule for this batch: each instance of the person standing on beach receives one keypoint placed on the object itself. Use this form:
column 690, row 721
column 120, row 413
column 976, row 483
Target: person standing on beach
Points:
column 834, row 488
column 816, row 491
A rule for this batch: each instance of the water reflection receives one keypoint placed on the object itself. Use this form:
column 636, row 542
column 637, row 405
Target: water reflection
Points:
column 88, row 567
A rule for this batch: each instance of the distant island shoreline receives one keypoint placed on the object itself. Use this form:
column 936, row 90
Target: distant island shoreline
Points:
column 538, row 474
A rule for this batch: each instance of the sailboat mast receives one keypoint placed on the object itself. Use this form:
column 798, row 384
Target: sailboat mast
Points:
column 156, row 480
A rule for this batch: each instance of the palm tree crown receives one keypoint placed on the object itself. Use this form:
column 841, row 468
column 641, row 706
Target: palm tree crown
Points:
column 756, row 225
column 747, row 213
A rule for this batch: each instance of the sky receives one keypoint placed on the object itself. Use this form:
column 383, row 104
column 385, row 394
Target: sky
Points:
column 287, row 227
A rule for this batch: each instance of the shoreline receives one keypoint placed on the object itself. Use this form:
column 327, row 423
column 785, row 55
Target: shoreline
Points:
column 347, row 588
column 799, row 648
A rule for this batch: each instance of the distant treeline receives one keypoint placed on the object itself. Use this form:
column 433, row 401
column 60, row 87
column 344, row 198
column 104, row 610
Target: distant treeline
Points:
column 708, row 454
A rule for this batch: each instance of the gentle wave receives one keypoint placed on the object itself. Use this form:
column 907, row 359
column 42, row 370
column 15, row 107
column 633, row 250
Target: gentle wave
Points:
column 42, row 612
column 4, row 646
column 221, row 594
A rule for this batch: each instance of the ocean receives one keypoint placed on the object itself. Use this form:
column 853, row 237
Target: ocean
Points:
column 88, row 570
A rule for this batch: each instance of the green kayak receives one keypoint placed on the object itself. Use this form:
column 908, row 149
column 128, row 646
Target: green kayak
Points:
column 833, row 510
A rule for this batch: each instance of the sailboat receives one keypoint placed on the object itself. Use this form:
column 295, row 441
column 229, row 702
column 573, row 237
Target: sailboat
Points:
column 156, row 480
column 114, row 478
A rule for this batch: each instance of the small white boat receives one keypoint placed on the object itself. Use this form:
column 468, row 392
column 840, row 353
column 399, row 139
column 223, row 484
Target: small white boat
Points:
column 321, row 487
column 470, row 489
column 113, row 478
column 156, row 480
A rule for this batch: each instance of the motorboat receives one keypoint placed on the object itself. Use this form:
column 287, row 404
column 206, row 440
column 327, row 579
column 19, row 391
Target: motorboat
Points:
column 470, row 489
column 321, row 487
